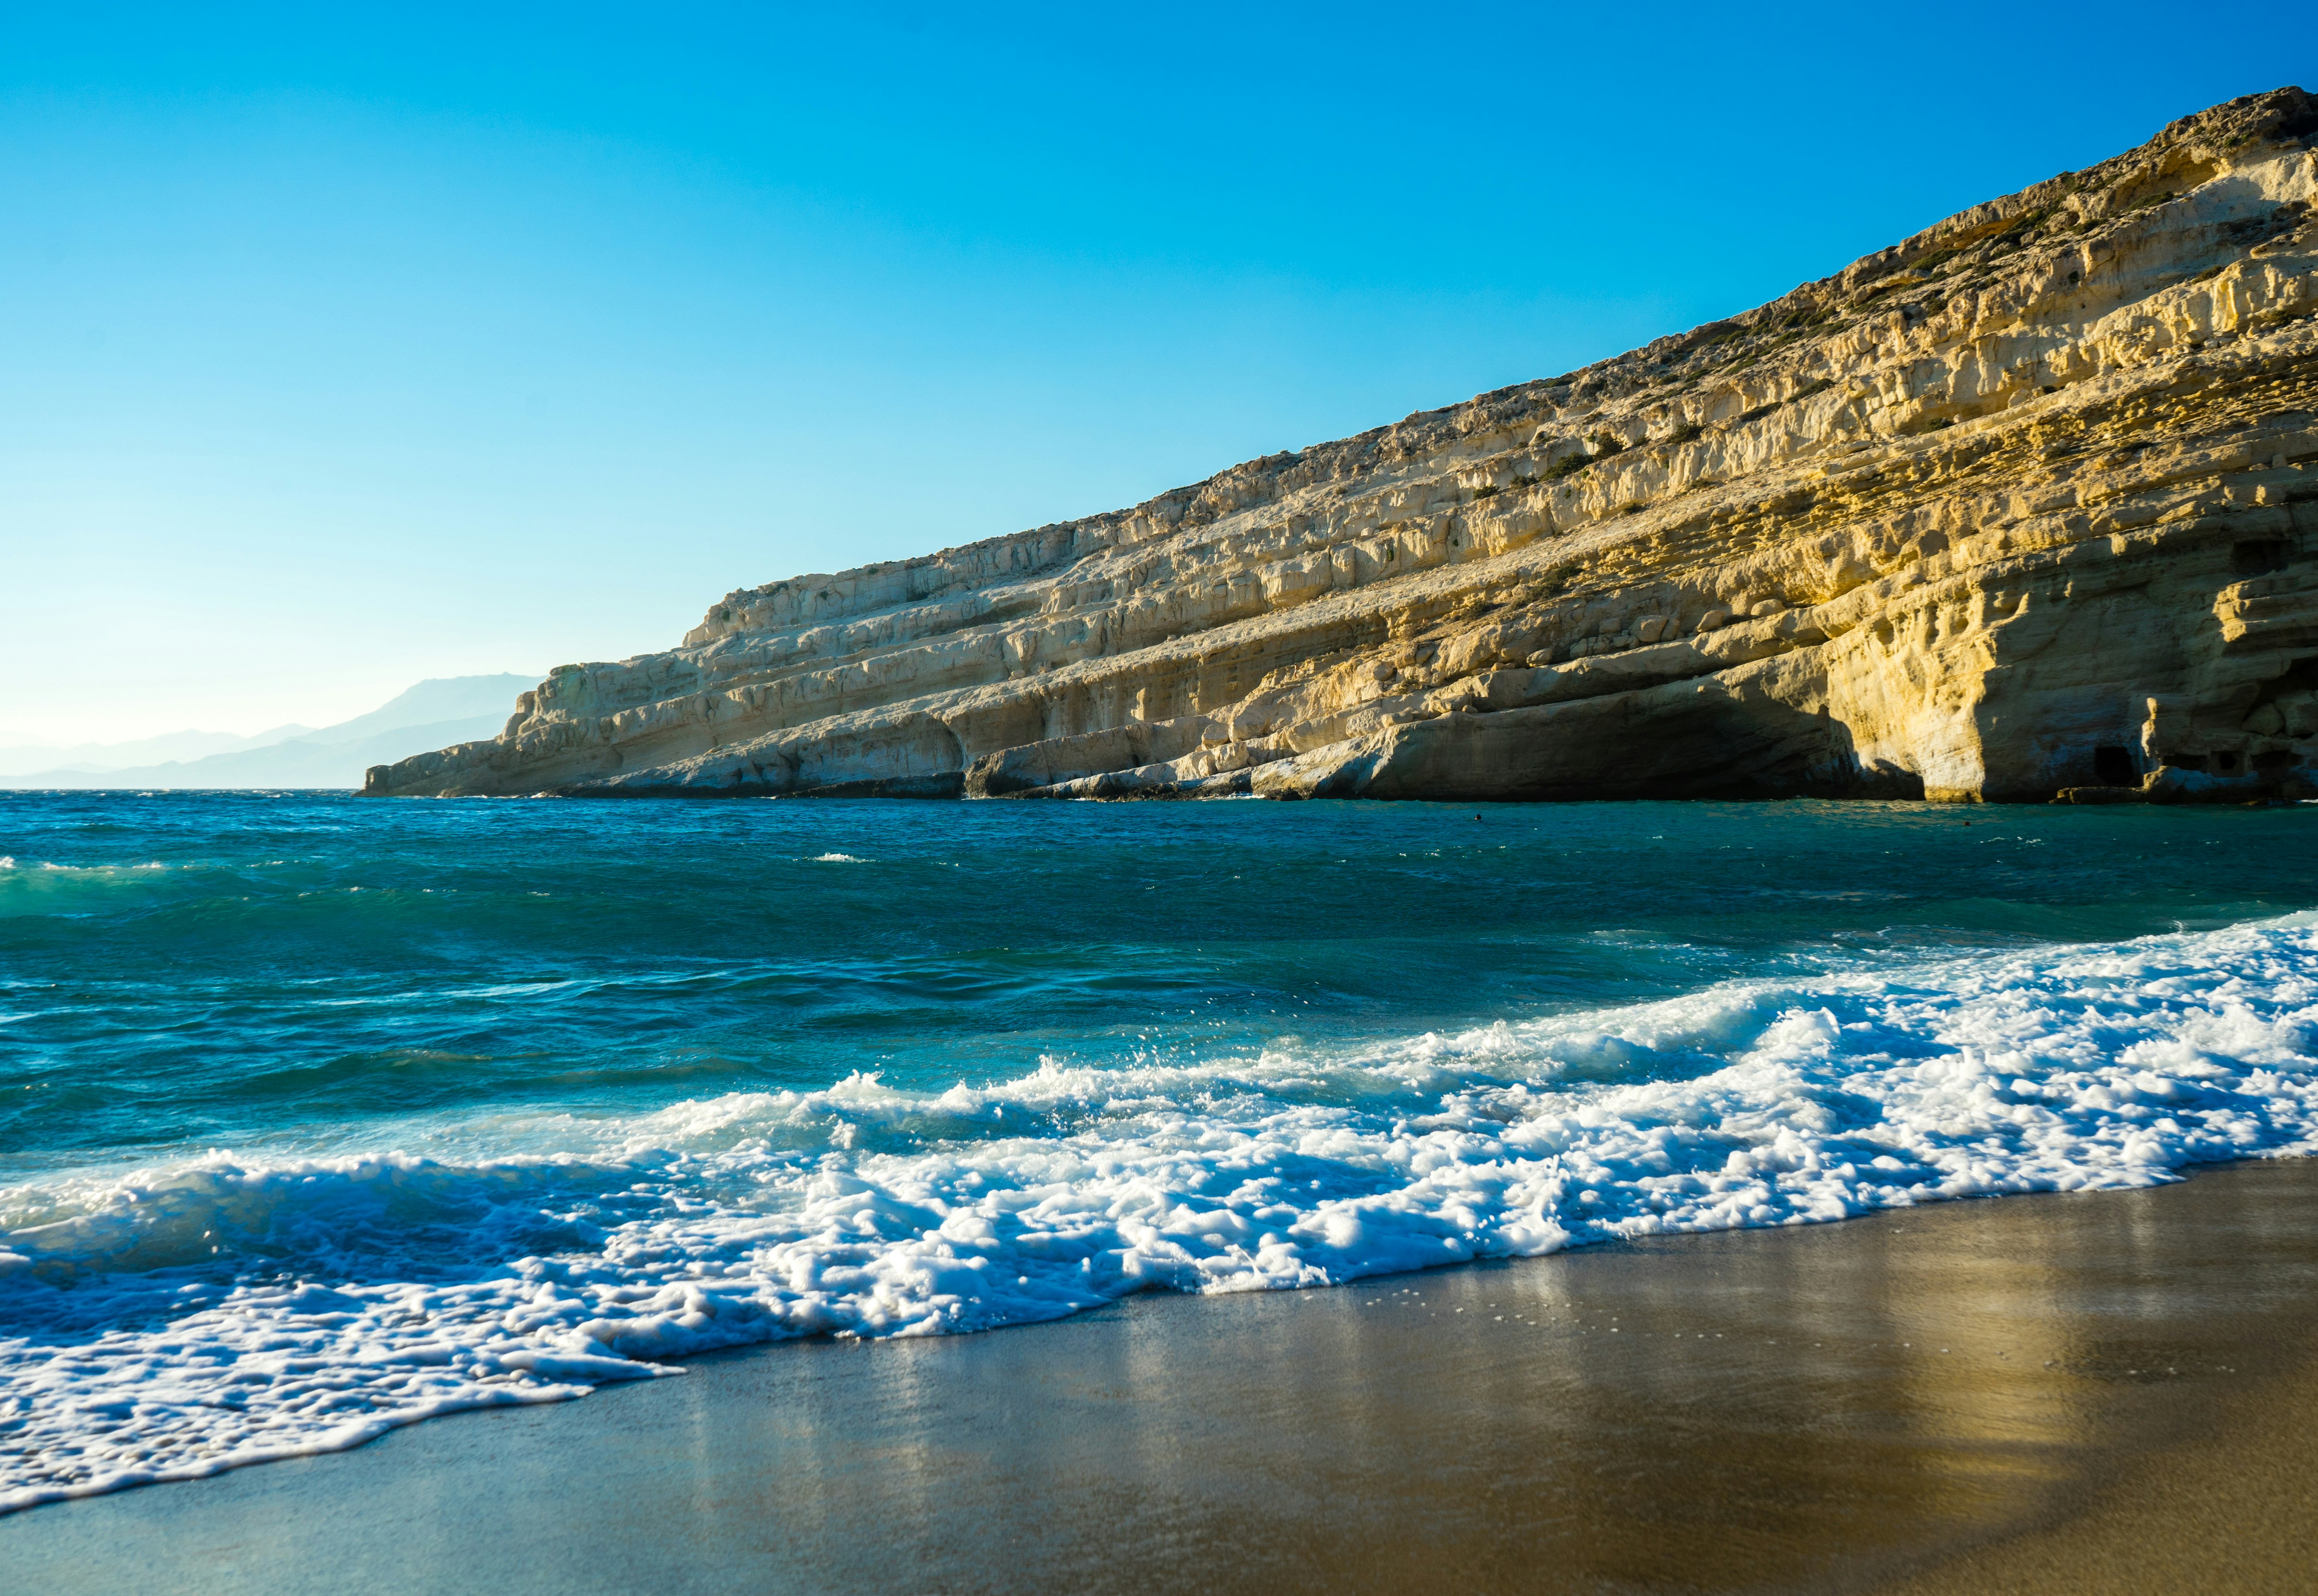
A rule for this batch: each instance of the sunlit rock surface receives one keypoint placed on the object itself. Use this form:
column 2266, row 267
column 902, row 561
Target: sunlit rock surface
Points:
column 2023, row 507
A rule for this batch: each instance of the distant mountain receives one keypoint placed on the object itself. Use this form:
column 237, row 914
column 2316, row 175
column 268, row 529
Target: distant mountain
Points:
column 432, row 703
column 433, row 715
column 17, row 757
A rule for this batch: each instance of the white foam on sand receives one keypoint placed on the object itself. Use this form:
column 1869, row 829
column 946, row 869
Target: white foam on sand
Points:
column 169, row 1322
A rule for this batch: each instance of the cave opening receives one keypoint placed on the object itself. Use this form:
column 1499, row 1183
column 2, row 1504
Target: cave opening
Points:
column 2258, row 557
column 2113, row 767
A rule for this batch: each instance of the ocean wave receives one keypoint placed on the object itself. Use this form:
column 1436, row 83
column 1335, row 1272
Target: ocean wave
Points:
column 84, row 872
column 166, row 1323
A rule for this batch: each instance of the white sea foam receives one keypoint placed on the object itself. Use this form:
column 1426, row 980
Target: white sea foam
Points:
column 84, row 871
column 837, row 859
column 175, row 1322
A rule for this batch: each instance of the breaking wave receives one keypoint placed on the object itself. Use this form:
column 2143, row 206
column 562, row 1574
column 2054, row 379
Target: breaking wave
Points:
column 170, row 1322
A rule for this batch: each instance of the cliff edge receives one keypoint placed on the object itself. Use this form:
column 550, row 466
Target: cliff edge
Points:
column 2024, row 506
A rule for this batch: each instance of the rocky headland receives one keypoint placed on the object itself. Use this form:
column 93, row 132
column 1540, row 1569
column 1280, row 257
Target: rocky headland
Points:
column 2024, row 506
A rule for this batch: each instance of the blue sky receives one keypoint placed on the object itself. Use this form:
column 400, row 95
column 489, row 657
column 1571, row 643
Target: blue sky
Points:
column 344, row 346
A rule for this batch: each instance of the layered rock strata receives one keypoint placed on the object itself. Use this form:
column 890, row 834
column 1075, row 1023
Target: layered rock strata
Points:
column 2025, row 505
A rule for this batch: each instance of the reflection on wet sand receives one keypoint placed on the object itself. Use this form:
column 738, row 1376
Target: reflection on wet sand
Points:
column 1817, row 1408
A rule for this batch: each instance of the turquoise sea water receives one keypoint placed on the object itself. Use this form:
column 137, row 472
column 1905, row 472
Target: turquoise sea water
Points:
column 320, row 1115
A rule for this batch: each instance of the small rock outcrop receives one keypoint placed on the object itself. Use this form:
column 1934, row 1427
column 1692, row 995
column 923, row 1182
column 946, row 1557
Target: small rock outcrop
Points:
column 2024, row 506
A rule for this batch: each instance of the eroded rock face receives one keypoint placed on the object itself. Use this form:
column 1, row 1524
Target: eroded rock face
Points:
column 2028, row 504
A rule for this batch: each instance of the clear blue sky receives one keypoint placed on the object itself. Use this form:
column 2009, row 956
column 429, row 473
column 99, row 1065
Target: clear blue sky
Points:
column 344, row 346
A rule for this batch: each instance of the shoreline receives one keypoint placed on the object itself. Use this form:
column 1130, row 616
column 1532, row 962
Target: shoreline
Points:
column 1984, row 1395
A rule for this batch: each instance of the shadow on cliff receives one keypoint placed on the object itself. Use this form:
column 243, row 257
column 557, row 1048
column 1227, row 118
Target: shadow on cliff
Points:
column 1686, row 740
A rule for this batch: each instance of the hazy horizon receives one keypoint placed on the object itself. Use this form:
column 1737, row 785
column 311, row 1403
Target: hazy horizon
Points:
column 10, row 739
column 346, row 356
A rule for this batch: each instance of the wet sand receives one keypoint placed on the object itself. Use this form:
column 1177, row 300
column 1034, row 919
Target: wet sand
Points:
column 2109, row 1392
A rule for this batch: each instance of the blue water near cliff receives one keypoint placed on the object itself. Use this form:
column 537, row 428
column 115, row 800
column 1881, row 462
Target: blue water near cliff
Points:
column 319, row 1116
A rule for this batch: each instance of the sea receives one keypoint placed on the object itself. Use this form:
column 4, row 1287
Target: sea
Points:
column 320, row 1115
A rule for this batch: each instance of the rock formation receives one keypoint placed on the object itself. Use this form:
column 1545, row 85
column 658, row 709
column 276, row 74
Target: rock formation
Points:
column 2023, row 506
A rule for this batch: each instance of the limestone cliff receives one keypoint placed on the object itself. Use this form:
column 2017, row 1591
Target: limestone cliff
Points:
column 2026, row 503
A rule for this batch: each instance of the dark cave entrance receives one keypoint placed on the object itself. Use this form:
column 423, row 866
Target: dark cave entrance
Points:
column 2112, row 766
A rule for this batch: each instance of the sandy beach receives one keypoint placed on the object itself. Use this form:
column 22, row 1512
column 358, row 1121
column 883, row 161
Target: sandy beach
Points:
column 2104, row 1392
